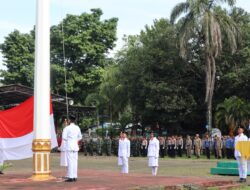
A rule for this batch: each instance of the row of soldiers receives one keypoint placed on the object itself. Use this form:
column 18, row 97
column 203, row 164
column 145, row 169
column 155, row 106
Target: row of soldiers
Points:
column 169, row 146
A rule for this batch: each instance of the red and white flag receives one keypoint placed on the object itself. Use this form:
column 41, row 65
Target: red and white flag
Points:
column 16, row 131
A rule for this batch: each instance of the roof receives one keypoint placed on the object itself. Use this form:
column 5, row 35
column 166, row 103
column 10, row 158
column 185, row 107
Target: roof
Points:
column 12, row 95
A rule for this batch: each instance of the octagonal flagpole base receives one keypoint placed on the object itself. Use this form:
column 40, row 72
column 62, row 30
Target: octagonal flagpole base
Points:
column 41, row 160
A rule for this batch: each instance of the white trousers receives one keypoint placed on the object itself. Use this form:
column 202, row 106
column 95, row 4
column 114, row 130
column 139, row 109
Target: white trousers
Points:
column 72, row 160
column 154, row 170
column 63, row 159
column 123, row 162
column 242, row 167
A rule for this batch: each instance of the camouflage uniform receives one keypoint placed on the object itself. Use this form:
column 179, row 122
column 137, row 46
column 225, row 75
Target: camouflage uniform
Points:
column 84, row 147
column 137, row 146
column 99, row 146
column 107, row 145
column 218, row 147
column 115, row 143
column 197, row 146
column 90, row 147
column 133, row 146
column 188, row 147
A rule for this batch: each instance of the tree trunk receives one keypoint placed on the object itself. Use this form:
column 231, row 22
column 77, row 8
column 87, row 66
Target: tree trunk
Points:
column 210, row 89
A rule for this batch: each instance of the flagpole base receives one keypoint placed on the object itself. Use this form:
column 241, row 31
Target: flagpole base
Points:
column 41, row 160
column 41, row 177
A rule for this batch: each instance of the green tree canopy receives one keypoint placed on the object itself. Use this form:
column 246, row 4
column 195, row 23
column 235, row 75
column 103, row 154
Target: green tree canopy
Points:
column 18, row 57
column 86, row 38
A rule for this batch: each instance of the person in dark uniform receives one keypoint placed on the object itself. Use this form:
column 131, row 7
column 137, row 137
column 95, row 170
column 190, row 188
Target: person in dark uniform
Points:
column 144, row 146
column 179, row 143
column 162, row 147
column 173, row 147
column 207, row 144
column 169, row 146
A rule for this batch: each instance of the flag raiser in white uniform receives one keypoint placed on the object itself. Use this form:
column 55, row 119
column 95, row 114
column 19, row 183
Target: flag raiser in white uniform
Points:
column 123, row 154
column 71, row 136
column 153, row 155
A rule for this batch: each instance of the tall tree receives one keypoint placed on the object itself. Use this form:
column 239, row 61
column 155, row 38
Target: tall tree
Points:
column 18, row 54
column 87, row 39
column 154, row 78
column 206, row 21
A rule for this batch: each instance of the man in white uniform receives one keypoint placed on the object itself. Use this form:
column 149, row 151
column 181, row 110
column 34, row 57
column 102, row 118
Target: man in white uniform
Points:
column 123, row 153
column 153, row 154
column 242, row 163
column 71, row 136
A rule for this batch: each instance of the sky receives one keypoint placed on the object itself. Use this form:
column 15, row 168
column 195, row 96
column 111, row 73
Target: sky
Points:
column 133, row 15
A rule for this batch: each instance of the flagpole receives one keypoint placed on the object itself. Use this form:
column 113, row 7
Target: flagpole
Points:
column 41, row 145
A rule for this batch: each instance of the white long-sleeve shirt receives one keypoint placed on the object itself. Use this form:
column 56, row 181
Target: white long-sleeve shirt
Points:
column 153, row 148
column 238, row 138
column 124, row 148
column 71, row 136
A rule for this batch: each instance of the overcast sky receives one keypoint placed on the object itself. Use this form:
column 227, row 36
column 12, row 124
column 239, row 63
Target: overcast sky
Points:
column 133, row 15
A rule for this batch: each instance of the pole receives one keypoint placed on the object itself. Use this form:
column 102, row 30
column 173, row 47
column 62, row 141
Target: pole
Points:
column 41, row 145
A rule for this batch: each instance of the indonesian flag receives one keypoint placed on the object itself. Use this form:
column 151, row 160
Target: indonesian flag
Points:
column 16, row 131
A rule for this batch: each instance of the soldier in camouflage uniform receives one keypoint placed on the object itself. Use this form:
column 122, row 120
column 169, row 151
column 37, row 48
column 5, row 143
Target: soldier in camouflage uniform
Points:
column 197, row 146
column 90, row 147
column 137, row 146
column 99, row 146
column 133, row 146
column 84, row 146
column 94, row 144
column 107, row 145
column 117, row 146
column 115, row 143
column 188, row 146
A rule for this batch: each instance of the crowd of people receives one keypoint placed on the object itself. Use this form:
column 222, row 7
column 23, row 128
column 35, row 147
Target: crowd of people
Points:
column 171, row 146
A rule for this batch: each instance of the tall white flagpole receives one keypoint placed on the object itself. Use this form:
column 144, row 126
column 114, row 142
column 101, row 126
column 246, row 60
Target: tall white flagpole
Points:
column 41, row 145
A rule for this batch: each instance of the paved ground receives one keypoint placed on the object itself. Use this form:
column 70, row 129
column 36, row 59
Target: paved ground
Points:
column 102, row 173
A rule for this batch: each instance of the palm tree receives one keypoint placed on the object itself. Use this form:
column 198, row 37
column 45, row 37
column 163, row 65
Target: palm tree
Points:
column 206, row 21
column 232, row 112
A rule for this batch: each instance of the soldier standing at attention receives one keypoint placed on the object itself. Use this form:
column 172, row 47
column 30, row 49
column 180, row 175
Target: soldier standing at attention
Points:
column 123, row 152
column 179, row 143
column 218, row 146
column 173, row 147
column 207, row 145
column 169, row 146
column 108, row 146
column 144, row 146
column 197, row 146
column 162, row 146
column 91, row 146
column 189, row 146
column 153, row 153
column 99, row 146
